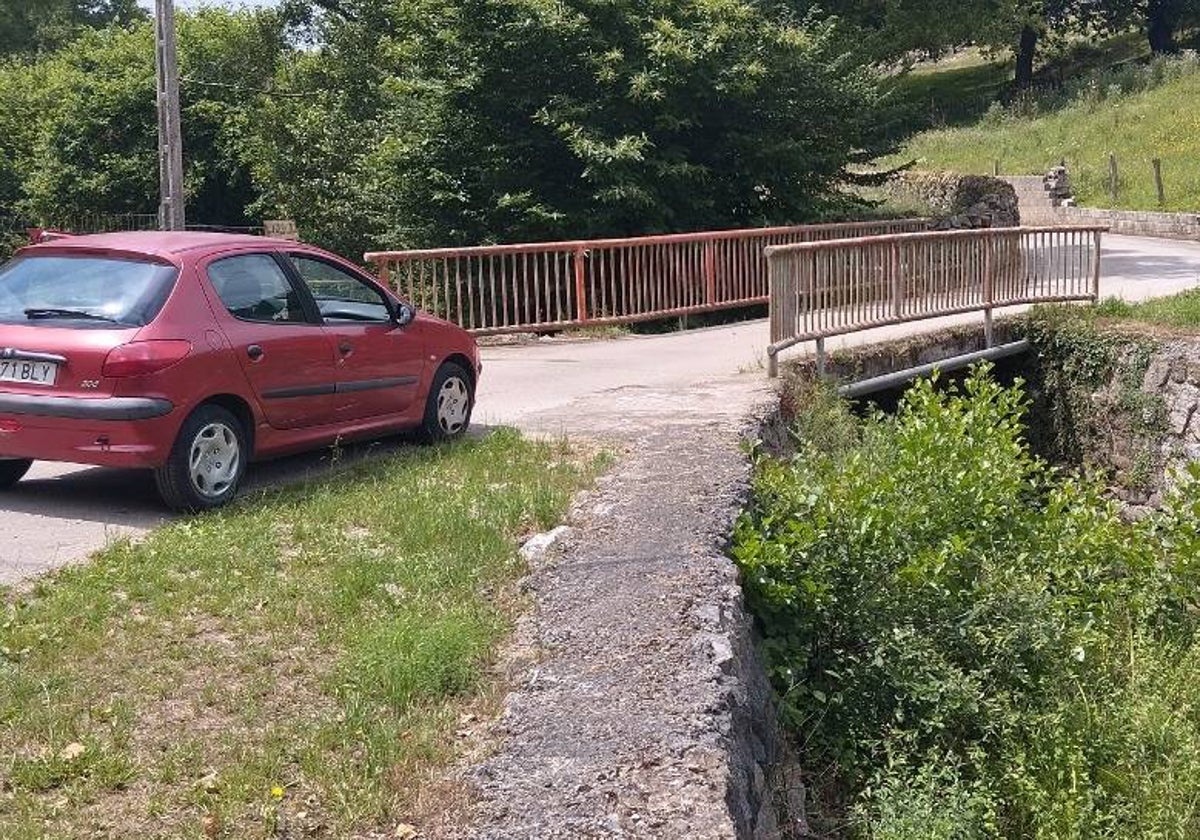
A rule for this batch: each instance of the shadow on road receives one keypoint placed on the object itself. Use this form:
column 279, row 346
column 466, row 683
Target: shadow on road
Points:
column 128, row 498
column 1148, row 269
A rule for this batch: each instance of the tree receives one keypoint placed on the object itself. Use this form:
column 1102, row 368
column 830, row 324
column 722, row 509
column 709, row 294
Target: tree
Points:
column 78, row 126
column 1024, row 25
column 532, row 119
column 887, row 31
column 1159, row 19
column 30, row 26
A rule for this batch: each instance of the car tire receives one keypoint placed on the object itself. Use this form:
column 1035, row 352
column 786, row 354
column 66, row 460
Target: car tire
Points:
column 449, row 404
column 206, row 463
column 13, row 470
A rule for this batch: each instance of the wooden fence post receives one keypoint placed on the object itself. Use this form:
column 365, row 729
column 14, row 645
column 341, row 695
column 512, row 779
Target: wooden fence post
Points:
column 897, row 281
column 581, row 307
column 1158, row 181
column 1112, row 177
column 989, row 287
column 710, row 272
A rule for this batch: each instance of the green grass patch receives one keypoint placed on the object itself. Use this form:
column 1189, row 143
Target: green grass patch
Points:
column 959, row 90
column 1181, row 310
column 1136, row 111
column 967, row 642
column 295, row 665
column 962, row 88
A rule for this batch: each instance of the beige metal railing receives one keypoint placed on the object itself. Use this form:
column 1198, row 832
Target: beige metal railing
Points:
column 824, row 289
column 552, row 285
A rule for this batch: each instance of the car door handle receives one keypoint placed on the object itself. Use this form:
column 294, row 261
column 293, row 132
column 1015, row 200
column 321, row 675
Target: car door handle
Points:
column 345, row 348
column 254, row 351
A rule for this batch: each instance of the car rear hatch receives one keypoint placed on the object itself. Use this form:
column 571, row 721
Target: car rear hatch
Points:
column 58, row 361
column 62, row 315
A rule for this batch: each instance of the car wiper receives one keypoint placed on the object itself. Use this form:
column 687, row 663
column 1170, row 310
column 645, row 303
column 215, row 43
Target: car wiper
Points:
column 49, row 312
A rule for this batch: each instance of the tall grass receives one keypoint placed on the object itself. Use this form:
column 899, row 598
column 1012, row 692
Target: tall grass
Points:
column 1136, row 111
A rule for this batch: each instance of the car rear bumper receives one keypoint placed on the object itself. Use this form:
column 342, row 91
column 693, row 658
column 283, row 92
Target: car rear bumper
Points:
column 72, row 408
column 132, row 432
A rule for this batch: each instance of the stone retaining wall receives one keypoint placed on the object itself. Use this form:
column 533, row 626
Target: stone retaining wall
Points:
column 960, row 201
column 1132, row 222
column 1037, row 208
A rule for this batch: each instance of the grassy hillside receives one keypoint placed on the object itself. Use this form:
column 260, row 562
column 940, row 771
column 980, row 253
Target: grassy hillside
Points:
column 1136, row 111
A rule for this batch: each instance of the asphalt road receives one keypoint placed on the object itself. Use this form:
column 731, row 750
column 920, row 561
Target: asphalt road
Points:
column 61, row 513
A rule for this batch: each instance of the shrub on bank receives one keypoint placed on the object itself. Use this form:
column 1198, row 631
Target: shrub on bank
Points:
column 968, row 642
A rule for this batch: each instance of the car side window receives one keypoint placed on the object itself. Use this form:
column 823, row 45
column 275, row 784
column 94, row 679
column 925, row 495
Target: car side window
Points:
column 340, row 295
column 254, row 288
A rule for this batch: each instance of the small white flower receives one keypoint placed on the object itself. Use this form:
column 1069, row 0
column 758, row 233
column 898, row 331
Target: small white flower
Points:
column 1077, row 654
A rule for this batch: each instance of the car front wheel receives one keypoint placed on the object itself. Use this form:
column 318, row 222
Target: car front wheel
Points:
column 207, row 462
column 13, row 470
column 448, row 407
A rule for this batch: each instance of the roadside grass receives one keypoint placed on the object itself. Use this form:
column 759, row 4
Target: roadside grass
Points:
column 296, row 665
column 1181, row 310
column 1137, row 112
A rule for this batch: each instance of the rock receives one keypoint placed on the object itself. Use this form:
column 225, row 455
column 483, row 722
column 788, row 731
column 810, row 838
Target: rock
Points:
column 1157, row 374
column 539, row 544
column 963, row 201
column 1180, row 415
column 1179, row 371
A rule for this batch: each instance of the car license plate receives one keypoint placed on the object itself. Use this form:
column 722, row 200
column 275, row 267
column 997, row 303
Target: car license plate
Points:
column 27, row 372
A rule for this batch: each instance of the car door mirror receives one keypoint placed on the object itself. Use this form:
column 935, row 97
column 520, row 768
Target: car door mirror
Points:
column 404, row 315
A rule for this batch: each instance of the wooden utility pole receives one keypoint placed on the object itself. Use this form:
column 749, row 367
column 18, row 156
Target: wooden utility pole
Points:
column 170, row 138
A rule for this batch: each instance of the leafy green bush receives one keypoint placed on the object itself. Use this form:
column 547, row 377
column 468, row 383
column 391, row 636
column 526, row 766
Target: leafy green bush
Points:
column 969, row 642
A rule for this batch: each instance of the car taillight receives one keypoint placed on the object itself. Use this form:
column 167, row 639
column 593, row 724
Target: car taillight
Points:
column 142, row 357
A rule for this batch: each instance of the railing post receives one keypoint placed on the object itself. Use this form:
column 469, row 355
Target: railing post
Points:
column 1096, row 268
column 989, row 287
column 384, row 279
column 897, row 281
column 820, row 358
column 710, row 272
column 581, row 307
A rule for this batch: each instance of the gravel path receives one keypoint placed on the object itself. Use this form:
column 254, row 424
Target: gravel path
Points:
column 638, row 711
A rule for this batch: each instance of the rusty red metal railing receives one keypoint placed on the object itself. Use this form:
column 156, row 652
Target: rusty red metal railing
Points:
column 553, row 285
column 829, row 288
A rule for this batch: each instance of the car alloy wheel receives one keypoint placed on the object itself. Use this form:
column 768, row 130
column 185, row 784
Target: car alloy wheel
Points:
column 206, row 463
column 448, row 404
column 215, row 460
column 453, row 406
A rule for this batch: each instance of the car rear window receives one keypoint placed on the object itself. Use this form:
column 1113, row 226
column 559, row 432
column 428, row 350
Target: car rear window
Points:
column 84, row 291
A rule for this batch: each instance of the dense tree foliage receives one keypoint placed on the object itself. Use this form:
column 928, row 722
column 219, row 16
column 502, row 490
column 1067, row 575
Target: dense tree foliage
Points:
column 538, row 118
column 78, row 130
column 888, row 31
column 27, row 26
column 1160, row 20
column 387, row 123
column 437, row 122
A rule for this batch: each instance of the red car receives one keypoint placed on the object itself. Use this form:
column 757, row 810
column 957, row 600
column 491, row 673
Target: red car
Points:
column 192, row 354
